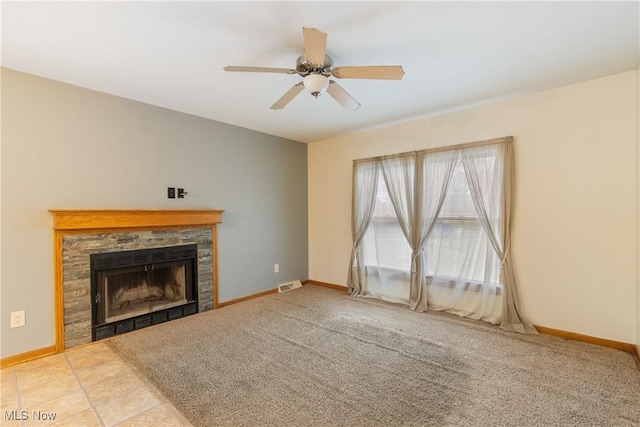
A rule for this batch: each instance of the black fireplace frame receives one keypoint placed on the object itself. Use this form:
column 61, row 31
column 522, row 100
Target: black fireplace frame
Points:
column 122, row 259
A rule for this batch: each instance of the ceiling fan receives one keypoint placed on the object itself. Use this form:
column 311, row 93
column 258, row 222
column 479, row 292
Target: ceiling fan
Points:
column 315, row 67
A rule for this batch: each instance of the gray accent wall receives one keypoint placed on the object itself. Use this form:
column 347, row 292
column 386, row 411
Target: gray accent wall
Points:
column 64, row 147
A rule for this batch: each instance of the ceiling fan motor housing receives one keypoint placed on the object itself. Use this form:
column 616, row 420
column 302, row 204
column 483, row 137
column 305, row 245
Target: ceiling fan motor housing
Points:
column 304, row 67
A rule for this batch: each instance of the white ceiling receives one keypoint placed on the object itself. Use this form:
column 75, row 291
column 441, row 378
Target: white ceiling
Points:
column 454, row 54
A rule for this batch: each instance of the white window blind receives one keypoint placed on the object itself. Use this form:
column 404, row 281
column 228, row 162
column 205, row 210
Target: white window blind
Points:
column 458, row 246
column 385, row 245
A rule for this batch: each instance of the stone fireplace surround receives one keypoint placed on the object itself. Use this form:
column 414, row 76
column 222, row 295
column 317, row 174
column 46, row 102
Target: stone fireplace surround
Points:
column 80, row 233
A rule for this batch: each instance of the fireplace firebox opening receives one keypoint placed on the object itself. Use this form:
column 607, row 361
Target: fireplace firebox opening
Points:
column 135, row 289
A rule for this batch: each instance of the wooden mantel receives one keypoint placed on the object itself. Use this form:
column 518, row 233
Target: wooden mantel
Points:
column 117, row 219
column 66, row 222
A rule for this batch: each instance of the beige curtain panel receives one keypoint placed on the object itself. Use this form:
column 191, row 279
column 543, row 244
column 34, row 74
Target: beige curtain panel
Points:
column 365, row 184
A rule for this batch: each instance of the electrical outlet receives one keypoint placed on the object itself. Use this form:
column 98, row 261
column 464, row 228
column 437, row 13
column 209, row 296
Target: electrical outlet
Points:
column 17, row 319
column 171, row 192
column 276, row 268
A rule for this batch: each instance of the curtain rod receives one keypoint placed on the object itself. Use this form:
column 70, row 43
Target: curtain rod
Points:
column 439, row 149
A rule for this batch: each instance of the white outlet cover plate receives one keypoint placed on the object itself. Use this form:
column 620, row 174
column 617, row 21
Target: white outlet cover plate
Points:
column 17, row 319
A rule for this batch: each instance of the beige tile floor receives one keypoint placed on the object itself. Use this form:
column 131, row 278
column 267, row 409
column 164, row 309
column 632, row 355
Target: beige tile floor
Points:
column 89, row 386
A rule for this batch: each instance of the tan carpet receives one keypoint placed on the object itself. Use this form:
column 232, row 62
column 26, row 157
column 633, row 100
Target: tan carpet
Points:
column 317, row 357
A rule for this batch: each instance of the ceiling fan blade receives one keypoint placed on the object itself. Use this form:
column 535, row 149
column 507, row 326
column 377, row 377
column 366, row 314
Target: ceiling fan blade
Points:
column 339, row 94
column 287, row 97
column 382, row 72
column 259, row 69
column 315, row 43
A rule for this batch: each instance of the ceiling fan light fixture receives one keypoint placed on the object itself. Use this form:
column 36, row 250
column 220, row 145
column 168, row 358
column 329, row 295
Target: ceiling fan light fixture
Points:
column 316, row 67
column 316, row 84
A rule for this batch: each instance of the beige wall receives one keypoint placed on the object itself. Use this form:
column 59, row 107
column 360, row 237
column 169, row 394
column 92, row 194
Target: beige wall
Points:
column 638, row 206
column 575, row 221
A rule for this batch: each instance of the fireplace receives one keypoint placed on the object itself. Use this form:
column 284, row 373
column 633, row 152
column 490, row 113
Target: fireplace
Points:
column 81, row 236
column 135, row 289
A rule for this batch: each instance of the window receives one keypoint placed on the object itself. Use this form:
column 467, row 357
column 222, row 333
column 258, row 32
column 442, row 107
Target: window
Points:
column 458, row 247
column 386, row 247
column 433, row 229
column 461, row 268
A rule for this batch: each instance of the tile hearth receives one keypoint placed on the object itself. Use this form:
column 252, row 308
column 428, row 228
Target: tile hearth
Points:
column 86, row 386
